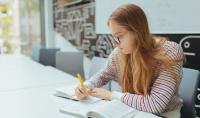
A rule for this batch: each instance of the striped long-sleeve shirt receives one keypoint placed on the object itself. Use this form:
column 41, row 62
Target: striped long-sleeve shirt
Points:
column 163, row 96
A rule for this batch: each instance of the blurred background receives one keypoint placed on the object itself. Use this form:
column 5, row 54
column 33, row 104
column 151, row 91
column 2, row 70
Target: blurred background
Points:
column 80, row 25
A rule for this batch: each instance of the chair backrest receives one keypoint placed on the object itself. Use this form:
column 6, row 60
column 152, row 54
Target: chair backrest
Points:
column 188, row 91
column 36, row 52
column 47, row 56
column 70, row 62
column 97, row 63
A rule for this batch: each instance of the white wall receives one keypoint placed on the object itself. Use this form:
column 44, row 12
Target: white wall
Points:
column 63, row 44
column 165, row 16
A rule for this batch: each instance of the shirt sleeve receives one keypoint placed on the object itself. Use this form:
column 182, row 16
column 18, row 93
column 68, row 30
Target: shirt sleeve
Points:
column 106, row 74
column 162, row 90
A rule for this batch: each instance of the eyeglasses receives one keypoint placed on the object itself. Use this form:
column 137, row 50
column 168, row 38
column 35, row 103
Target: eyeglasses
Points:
column 118, row 39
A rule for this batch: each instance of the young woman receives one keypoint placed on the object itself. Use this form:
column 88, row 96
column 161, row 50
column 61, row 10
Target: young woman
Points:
column 148, row 68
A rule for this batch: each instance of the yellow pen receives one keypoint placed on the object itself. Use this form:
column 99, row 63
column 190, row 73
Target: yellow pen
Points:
column 81, row 83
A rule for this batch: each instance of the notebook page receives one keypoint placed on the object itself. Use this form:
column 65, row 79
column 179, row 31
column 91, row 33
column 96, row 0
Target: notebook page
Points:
column 69, row 92
column 112, row 109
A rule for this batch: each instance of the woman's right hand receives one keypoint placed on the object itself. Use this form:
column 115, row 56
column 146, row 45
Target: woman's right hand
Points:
column 79, row 92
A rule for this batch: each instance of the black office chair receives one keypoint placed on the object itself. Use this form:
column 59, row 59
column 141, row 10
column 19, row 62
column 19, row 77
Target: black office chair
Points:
column 48, row 56
column 188, row 91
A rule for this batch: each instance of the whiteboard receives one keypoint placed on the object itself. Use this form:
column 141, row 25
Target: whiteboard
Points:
column 164, row 16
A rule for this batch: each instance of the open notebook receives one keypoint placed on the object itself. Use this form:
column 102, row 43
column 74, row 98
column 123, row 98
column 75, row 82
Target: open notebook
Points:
column 69, row 93
column 104, row 109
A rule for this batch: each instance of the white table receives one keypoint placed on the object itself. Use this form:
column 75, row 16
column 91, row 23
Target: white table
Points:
column 32, row 103
column 27, row 88
column 19, row 72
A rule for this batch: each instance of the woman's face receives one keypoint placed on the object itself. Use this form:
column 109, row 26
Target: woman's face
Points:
column 123, row 38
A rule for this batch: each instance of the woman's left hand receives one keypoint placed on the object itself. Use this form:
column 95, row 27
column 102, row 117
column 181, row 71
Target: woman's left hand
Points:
column 101, row 93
